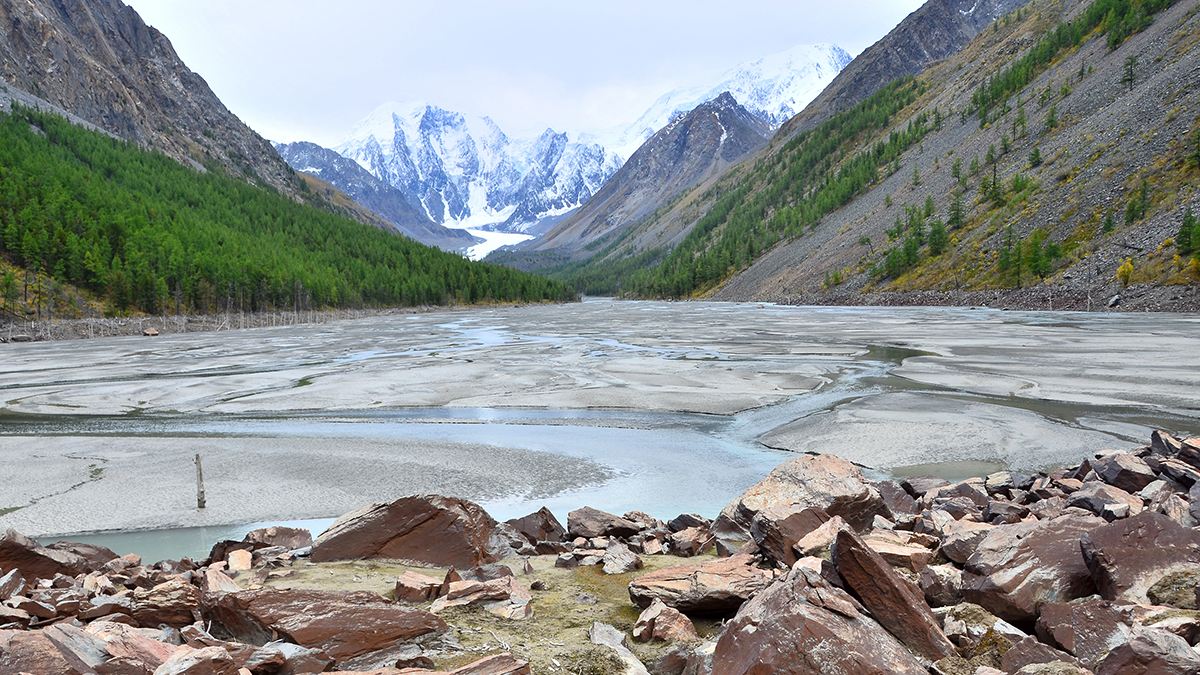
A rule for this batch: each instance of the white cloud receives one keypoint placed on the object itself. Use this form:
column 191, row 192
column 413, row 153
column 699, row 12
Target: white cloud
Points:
column 308, row 70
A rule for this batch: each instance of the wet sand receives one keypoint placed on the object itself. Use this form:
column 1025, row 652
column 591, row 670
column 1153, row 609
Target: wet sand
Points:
column 311, row 421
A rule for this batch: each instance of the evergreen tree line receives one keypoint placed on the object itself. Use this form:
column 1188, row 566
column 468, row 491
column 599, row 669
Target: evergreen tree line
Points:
column 148, row 233
column 1118, row 19
column 811, row 176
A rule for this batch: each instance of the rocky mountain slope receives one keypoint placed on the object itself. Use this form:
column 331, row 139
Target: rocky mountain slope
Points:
column 372, row 194
column 466, row 172
column 937, row 30
column 690, row 149
column 98, row 60
column 1094, row 160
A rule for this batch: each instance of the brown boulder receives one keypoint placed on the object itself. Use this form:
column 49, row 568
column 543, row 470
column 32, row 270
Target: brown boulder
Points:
column 539, row 526
column 34, row 560
column 342, row 624
column 1029, row 651
column 961, row 538
column 588, row 523
column 819, row 542
column 894, row 602
column 776, row 529
column 1018, row 567
column 174, row 603
column 825, row 482
column 124, row 642
column 715, row 587
column 659, row 622
column 618, row 559
column 96, row 556
column 1108, row 502
column 690, row 542
column 206, row 661
column 428, row 528
column 1089, row 629
column 290, row 538
column 1123, row 470
column 942, row 585
column 35, row 653
column 1129, row 556
column 503, row 597
column 1150, row 652
column 11, row 584
column 416, row 587
column 895, row 498
column 805, row 626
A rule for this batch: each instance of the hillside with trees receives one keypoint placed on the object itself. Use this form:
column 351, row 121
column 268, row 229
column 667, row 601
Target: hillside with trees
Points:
column 142, row 232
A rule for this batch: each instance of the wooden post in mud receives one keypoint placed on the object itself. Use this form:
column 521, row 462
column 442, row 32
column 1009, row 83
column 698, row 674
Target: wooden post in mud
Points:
column 199, row 483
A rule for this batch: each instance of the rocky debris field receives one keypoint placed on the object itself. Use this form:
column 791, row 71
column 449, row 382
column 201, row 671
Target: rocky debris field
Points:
column 1093, row 569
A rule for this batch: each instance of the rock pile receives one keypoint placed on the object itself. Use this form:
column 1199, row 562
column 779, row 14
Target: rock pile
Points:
column 1088, row 569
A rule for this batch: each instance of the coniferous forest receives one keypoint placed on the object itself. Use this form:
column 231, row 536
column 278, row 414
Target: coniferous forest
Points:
column 150, row 234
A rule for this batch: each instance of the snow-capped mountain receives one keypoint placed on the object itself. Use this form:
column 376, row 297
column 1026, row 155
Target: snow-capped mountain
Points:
column 465, row 172
column 774, row 88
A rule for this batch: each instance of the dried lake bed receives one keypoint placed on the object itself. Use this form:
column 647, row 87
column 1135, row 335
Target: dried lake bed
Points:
column 665, row 407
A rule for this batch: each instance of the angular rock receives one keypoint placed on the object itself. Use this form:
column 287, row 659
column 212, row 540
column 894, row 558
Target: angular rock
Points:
column 291, row 538
column 428, row 528
column 588, row 522
column 895, row 498
column 691, row 542
column 497, row 664
column 215, row 581
column 825, row 482
column 685, row 520
column 894, row 602
column 299, row 659
column 942, row 585
column 487, row 572
column 341, row 624
column 961, row 538
column 34, row 560
column 104, row 606
column 1106, row 501
column 207, row 661
column 715, row 587
column 1018, row 567
column 1004, row 513
column 35, row 653
column 14, row 615
column 805, row 626
column 539, row 526
column 1029, row 651
column 917, row 486
column 239, row 560
column 96, row 556
column 1055, row 668
column 819, row 542
column 11, row 584
column 1150, row 652
column 980, row 633
column 416, row 587
column 1123, row 470
column 566, row 560
column 659, row 622
column 1129, row 556
column 607, row 636
column 503, row 597
column 122, row 641
column 776, row 529
column 914, row 558
column 173, row 602
column 618, row 559
column 1088, row 629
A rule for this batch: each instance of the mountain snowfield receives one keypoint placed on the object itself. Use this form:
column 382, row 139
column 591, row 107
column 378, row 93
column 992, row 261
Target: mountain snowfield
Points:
column 465, row 172
column 774, row 88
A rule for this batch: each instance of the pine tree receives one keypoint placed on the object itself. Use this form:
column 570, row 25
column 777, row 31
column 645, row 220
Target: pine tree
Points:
column 1188, row 239
column 1110, row 223
column 1035, row 158
column 1052, row 118
column 1129, row 76
column 957, row 215
column 938, row 239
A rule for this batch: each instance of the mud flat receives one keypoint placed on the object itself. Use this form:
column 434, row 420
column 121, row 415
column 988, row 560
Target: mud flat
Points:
column 667, row 407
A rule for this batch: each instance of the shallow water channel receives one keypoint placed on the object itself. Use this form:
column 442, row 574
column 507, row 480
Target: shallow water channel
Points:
column 662, row 407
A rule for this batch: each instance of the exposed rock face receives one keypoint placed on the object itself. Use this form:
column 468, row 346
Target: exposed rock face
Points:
column 34, row 560
column 342, row 624
column 291, row 538
column 370, row 192
column 804, row 626
column 693, row 147
column 1127, row 557
column 174, row 603
column 715, row 587
column 416, row 587
column 116, row 72
column 427, row 528
column 933, row 32
column 894, row 602
column 825, row 482
column 1018, row 567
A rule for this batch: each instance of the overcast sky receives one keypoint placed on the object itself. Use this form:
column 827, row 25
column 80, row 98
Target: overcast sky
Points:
column 310, row 69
